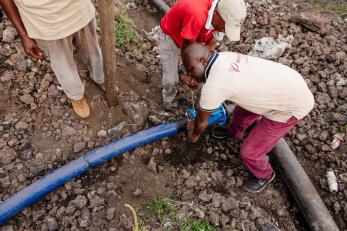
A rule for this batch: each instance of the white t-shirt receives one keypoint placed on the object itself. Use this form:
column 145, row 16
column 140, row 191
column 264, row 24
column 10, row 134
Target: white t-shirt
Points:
column 54, row 19
column 260, row 86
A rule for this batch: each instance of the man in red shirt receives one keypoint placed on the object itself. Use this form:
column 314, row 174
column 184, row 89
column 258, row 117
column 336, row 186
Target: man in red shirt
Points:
column 190, row 21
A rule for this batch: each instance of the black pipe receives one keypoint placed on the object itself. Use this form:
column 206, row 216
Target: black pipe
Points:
column 305, row 194
column 160, row 5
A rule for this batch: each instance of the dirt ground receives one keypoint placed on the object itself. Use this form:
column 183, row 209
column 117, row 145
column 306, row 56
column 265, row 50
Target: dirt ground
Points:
column 202, row 179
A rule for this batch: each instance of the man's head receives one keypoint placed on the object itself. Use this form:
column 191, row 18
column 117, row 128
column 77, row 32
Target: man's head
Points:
column 195, row 58
column 228, row 17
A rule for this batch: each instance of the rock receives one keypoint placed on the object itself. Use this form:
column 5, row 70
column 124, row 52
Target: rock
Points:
column 9, row 34
column 154, row 119
column 27, row 99
column 117, row 130
column 7, row 124
column 125, row 222
column 188, row 195
column 68, row 131
column 79, row 202
column 214, row 218
column 20, row 61
column 191, row 182
column 21, row 125
column 137, row 193
column 101, row 133
column 7, row 155
column 52, row 91
column 26, row 154
column 96, row 201
column 110, row 213
column 323, row 136
column 5, row 182
column 205, row 197
column 310, row 149
column 269, row 48
column 313, row 21
column 6, row 228
column 79, row 146
column 152, row 165
column 199, row 213
column 52, row 224
column 182, row 213
column 138, row 111
column 229, row 204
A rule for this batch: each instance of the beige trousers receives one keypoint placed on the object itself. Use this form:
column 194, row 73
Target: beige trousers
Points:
column 60, row 53
column 169, row 57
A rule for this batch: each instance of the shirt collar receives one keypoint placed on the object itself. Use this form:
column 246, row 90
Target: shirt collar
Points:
column 213, row 58
column 208, row 24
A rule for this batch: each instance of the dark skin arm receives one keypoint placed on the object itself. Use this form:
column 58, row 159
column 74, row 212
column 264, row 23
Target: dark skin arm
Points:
column 198, row 126
column 29, row 44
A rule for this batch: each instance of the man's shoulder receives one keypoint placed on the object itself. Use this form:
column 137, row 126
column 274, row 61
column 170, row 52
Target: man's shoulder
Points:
column 196, row 8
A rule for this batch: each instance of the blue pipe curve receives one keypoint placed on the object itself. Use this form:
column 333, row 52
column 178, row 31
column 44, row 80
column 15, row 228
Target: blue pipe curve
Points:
column 75, row 168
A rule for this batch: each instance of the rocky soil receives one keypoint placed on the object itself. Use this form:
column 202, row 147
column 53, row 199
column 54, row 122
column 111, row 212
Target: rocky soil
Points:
column 39, row 133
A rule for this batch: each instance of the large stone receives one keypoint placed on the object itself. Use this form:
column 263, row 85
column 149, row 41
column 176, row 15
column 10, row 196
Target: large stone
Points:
column 7, row 155
column 79, row 146
column 230, row 204
column 6, row 228
column 79, row 202
column 68, row 131
column 53, row 91
column 9, row 34
column 21, row 125
column 110, row 213
column 152, row 165
column 191, row 182
column 52, row 224
column 27, row 99
column 137, row 111
column 205, row 197
column 313, row 21
column 117, row 130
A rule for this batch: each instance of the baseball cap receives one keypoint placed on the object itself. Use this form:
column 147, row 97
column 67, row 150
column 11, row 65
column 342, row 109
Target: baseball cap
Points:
column 233, row 13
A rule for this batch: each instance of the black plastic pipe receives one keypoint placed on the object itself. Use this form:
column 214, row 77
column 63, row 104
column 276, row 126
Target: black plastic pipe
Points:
column 160, row 5
column 305, row 194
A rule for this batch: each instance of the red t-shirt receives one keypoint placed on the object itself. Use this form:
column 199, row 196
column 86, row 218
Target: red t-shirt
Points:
column 186, row 20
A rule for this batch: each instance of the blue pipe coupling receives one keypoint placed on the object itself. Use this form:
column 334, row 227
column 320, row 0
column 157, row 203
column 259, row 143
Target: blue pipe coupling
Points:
column 218, row 116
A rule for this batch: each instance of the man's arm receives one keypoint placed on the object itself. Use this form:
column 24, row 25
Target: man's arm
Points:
column 29, row 44
column 200, row 124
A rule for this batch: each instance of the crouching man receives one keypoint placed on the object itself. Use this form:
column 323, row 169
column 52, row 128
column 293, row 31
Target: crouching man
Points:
column 271, row 93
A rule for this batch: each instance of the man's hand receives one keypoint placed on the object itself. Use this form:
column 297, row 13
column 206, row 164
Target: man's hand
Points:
column 31, row 47
column 211, row 44
column 190, row 128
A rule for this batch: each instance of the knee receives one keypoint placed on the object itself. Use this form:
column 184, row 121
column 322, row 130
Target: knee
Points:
column 246, row 151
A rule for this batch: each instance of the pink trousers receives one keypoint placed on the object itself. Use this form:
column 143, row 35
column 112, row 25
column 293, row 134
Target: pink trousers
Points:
column 261, row 139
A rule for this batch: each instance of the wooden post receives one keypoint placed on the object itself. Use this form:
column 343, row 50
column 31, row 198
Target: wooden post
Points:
column 107, row 24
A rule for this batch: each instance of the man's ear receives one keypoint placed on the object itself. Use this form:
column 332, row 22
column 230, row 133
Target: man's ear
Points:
column 204, row 61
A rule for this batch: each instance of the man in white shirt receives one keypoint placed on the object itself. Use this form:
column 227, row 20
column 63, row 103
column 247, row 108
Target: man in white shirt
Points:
column 263, row 90
column 49, row 26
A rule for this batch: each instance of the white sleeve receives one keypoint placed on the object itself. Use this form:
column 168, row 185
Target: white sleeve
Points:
column 218, row 35
column 212, row 97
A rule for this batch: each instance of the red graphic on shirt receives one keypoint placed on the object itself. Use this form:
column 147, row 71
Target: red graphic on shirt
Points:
column 234, row 68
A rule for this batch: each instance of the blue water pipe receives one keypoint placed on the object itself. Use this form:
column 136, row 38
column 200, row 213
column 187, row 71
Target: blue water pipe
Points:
column 75, row 168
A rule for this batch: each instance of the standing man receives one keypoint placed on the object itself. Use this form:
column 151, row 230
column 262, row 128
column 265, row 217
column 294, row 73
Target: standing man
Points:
column 261, row 89
column 190, row 21
column 49, row 26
